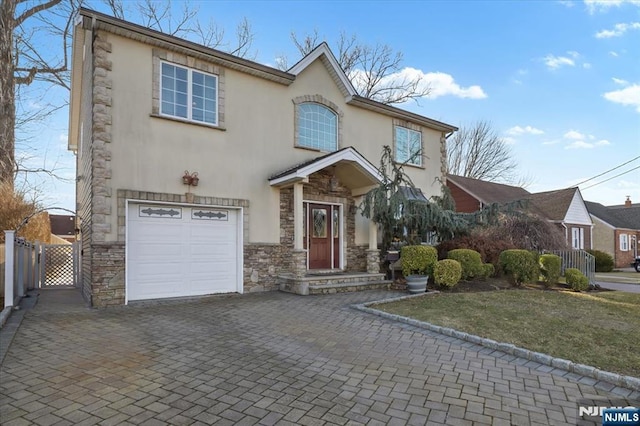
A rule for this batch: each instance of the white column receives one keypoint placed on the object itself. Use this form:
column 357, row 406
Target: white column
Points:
column 297, row 217
column 9, row 238
column 373, row 235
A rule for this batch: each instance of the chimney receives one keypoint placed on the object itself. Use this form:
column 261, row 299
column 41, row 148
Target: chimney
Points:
column 627, row 202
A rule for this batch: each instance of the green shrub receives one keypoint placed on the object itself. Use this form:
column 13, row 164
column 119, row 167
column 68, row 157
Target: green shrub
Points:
column 447, row 273
column 488, row 247
column 418, row 260
column 519, row 266
column 576, row 279
column 550, row 266
column 470, row 261
column 604, row 261
column 488, row 270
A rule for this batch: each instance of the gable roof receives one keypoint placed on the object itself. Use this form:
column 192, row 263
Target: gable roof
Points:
column 347, row 155
column 489, row 192
column 323, row 52
column 554, row 204
column 616, row 216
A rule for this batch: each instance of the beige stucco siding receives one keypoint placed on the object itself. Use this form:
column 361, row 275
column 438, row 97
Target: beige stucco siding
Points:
column 603, row 236
column 258, row 139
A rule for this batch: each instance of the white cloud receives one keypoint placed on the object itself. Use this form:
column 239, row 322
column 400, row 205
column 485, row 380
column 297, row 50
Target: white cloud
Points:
column 594, row 6
column 554, row 62
column 618, row 30
column 614, row 54
column 509, row 141
column 574, row 135
column 583, row 141
column 630, row 95
column 620, row 81
column 441, row 84
column 567, row 3
column 586, row 65
column 517, row 130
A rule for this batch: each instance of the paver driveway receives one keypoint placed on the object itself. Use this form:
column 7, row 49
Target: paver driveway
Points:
column 267, row 358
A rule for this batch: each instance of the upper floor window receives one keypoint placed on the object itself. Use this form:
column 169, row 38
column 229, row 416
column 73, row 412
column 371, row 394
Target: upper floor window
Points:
column 317, row 127
column 408, row 146
column 188, row 94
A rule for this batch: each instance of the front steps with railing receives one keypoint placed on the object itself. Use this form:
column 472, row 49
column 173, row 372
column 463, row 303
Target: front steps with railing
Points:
column 330, row 282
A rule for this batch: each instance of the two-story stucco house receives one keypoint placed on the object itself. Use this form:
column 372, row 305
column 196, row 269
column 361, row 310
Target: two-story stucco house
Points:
column 282, row 161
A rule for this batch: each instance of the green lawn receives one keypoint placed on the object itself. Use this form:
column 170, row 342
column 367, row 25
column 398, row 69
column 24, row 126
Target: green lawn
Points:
column 598, row 329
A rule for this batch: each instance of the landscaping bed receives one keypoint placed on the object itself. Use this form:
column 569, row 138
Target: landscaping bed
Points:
column 597, row 328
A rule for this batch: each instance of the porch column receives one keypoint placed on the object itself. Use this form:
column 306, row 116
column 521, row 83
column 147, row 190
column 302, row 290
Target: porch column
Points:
column 373, row 235
column 298, row 255
column 297, row 217
column 373, row 254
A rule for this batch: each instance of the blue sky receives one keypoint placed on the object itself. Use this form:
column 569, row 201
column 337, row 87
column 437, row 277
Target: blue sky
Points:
column 559, row 80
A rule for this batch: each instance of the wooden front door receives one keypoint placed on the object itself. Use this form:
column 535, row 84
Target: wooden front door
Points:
column 322, row 236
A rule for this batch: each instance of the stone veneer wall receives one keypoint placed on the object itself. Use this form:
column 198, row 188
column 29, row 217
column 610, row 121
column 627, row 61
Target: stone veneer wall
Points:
column 107, row 274
column 262, row 265
column 319, row 189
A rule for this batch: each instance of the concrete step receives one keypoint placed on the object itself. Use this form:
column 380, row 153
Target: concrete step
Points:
column 348, row 287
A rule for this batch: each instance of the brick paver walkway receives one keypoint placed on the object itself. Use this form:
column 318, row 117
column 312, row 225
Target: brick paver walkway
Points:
column 267, row 359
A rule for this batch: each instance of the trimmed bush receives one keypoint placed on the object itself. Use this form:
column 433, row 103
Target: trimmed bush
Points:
column 488, row 247
column 488, row 270
column 519, row 266
column 447, row 273
column 470, row 261
column 550, row 266
column 576, row 279
column 604, row 261
column 418, row 259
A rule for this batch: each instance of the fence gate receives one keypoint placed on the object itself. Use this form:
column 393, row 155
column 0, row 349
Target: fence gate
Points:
column 59, row 263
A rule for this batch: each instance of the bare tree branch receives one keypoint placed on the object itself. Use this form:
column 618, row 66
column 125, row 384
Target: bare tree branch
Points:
column 478, row 152
column 244, row 40
column 36, row 9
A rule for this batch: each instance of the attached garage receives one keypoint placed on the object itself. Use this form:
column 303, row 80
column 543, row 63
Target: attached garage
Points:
column 178, row 251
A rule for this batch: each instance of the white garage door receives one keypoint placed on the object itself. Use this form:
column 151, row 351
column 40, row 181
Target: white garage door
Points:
column 176, row 251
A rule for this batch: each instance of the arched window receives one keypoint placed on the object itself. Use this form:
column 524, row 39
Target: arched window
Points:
column 317, row 127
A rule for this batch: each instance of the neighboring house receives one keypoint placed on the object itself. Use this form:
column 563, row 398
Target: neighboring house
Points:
column 616, row 230
column 471, row 195
column 282, row 158
column 63, row 226
column 565, row 207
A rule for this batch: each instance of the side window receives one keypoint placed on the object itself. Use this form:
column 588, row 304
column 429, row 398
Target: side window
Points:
column 408, row 145
column 317, row 127
column 624, row 242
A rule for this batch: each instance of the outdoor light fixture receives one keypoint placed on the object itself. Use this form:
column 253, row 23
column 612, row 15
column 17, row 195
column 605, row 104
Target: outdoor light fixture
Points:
column 190, row 179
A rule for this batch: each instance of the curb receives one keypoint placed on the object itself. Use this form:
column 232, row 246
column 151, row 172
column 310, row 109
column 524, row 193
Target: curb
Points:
column 4, row 315
column 628, row 382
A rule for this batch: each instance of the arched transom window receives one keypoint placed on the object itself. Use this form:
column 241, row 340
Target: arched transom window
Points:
column 317, row 127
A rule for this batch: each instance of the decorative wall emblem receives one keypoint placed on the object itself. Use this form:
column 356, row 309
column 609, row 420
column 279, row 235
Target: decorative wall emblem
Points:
column 202, row 214
column 166, row 212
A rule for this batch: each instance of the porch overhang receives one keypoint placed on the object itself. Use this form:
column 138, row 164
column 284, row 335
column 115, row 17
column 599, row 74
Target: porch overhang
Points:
column 349, row 166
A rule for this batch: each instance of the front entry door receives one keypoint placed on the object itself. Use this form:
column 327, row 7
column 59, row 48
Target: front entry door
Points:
column 322, row 238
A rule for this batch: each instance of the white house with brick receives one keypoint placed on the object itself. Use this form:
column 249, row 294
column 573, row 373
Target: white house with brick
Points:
column 281, row 161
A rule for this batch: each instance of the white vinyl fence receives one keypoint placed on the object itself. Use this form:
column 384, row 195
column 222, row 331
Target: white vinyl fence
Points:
column 28, row 266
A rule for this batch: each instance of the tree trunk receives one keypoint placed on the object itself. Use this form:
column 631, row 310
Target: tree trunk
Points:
column 7, row 93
